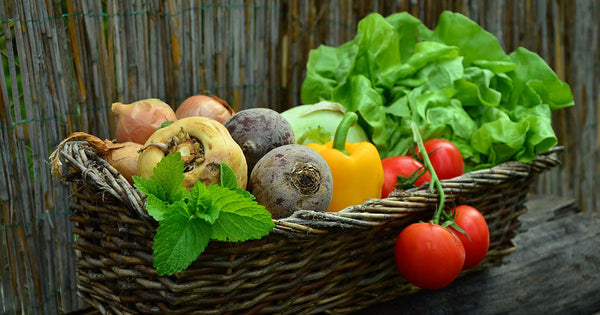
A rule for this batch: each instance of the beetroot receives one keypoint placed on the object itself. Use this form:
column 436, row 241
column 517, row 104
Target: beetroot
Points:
column 258, row 131
column 290, row 178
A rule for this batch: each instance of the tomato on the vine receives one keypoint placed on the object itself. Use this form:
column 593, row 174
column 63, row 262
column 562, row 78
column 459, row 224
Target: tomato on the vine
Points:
column 428, row 255
column 405, row 167
column 472, row 222
column 445, row 158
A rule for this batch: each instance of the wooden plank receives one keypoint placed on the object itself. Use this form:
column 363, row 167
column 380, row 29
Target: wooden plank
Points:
column 556, row 269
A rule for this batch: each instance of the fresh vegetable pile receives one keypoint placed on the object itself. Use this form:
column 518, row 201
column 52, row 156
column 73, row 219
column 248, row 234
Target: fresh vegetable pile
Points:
column 398, row 107
column 209, row 173
column 226, row 180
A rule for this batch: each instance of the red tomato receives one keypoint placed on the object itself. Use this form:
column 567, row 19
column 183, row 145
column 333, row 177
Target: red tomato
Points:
column 445, row 158
column 473, row 223
column 428, row 255
column 404, row 166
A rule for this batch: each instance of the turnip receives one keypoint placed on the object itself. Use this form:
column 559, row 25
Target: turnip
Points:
column 203, row 143
column 290, row 178
column 258, row 131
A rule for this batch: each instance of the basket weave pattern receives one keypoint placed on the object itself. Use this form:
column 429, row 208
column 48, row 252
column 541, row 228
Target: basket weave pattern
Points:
column 310, row 262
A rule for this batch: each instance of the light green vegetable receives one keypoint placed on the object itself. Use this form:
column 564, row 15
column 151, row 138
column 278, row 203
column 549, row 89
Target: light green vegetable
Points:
column 316, row 123
column 454, row 82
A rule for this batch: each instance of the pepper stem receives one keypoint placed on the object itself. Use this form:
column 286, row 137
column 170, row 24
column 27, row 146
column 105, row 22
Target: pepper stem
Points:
column 341, row 132
column 434, row 179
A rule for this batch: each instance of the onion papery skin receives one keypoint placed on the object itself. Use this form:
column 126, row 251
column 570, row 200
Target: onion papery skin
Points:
column 124, row 157
column 205, row 106
column 138, row 120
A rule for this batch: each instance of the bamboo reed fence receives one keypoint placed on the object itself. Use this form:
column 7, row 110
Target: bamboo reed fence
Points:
column 65, row 63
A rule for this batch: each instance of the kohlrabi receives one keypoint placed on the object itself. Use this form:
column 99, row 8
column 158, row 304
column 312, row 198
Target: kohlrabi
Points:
column 317, row 123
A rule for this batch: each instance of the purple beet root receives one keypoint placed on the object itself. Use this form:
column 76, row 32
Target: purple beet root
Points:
column 290, row 178
column 258, row 131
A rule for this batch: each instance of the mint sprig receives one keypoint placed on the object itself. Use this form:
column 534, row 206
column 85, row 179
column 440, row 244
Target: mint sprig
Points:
column 189, row 219
column 166, row 182
column 179, row 240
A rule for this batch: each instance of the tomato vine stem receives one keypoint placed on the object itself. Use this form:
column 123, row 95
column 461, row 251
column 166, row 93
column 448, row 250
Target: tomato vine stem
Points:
column 435, row 181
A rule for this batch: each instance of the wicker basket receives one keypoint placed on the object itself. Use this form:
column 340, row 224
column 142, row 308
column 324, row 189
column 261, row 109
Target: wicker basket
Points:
column 310, row 263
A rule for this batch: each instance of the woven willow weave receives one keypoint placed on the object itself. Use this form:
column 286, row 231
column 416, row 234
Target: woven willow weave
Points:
column 311, row 262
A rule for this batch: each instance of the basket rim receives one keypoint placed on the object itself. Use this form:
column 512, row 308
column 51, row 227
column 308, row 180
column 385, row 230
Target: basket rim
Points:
column 79, row 154
column 373, row 211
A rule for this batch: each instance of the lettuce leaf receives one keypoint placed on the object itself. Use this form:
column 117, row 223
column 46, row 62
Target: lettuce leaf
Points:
column 454, row 82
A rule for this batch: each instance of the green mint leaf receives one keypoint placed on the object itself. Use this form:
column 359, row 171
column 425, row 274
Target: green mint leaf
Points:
column 245, row 193
column 166, row 183
column 149, row 187
column 240, row 218
column 201, row 203
column 228, row 178
column 179, row 240
column 169, row 173
column 199, row 198
column 156, row 208
column 210, row 215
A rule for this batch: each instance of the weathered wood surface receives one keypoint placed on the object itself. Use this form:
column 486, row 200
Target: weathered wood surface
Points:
column 555, row 270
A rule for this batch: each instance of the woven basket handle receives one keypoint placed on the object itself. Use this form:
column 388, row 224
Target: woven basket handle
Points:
column 78, row 161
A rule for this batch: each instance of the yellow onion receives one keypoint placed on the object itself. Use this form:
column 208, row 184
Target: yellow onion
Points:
column 138, row 120
column 204, row 144
column 205, row 106
column 124, row 157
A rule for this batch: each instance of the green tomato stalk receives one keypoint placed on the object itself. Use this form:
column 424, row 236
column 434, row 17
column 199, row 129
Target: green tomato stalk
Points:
column 435, row 181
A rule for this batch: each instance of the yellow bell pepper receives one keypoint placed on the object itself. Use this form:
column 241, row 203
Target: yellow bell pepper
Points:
column 355, row 167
